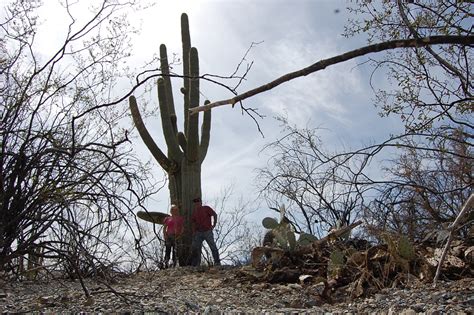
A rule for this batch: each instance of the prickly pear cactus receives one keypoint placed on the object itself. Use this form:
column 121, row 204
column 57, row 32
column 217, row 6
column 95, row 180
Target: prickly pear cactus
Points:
column 336, row 263
column 283, row 234
column 270, row 223
column 306, row 239
column 405, row 248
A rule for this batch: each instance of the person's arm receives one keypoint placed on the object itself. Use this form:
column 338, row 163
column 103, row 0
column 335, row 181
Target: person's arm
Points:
column 214, row 215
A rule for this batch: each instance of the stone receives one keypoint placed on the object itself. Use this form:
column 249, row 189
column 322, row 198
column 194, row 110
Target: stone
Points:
column 89, row 301
column 294, row 286
column 46, row 300
column 408, row 311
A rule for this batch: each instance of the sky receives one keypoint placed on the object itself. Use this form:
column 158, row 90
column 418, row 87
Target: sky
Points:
column 291, row 34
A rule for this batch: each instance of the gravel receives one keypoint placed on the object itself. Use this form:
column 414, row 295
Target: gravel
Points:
column 221, row 290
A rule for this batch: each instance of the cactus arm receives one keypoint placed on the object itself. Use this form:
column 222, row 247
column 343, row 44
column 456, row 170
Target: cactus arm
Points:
column 165, row 70
column 166, row 121
column 160, row 157
column 193, row 121
column 205, row 134
column 186, row 42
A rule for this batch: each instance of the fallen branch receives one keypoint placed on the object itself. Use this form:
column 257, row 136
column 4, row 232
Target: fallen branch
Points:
column 465, row 209
column 331, row 236
column 337, row 233
column 121, row 295
column 322, row 64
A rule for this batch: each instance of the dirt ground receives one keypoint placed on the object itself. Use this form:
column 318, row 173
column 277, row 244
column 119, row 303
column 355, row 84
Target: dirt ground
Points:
column 219, row 290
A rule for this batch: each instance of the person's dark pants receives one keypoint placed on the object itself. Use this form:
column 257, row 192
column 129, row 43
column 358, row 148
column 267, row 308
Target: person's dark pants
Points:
column 170, row 246
column 196, row 247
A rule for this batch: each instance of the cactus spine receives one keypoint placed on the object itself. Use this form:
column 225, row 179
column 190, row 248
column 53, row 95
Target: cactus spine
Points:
column 186, row 151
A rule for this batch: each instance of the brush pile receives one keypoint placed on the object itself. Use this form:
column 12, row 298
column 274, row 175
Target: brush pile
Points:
column 338, row 267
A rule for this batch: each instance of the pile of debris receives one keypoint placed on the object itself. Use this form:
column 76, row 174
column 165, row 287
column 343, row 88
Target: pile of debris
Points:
column 340, row 267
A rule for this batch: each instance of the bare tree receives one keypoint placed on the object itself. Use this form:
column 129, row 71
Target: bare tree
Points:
column 320, row 190
column 427, row 188
column 431, row 92
column 69, row 182
column 429, row 175
column 235, row 234
column 428, row 84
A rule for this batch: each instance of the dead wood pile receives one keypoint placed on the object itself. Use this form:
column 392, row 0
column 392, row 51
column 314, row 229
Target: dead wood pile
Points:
column 356, row 268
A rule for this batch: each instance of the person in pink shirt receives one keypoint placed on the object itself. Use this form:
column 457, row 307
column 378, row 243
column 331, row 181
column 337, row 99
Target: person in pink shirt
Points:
column 172, row 231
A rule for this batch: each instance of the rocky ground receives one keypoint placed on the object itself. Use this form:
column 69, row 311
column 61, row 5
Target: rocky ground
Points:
column 223, row 290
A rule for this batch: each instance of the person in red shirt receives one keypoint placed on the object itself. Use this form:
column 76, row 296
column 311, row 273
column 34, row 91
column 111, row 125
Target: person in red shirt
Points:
column 172, row 231
column 203, row 221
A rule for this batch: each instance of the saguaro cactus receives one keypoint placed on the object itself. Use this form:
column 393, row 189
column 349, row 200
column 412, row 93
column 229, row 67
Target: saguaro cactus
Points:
column 186, row 151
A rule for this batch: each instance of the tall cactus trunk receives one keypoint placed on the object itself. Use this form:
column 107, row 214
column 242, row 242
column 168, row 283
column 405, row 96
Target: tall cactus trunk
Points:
column 186, row 150
column 191, row 179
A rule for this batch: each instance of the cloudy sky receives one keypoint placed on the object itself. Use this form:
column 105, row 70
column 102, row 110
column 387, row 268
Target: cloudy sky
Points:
column 292, row 34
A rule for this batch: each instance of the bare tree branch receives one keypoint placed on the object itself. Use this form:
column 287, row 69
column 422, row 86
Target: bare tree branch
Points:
column 322, row 64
